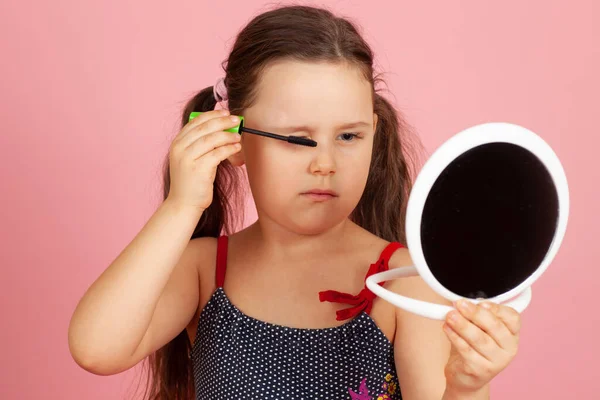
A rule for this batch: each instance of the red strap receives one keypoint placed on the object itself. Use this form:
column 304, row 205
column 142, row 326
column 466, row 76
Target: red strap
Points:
column 364, row 300
column 386, row 254
column 221, row 260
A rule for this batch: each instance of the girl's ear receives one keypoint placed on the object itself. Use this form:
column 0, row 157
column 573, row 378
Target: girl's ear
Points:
column 237, row 160
column 375, row 119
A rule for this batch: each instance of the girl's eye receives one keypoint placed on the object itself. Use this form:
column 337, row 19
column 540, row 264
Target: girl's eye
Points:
column 349, row 136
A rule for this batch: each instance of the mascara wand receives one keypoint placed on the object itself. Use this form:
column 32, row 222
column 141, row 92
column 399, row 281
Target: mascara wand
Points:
column 241, row 128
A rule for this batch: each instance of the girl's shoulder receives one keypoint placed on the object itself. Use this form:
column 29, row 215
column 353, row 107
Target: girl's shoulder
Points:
column 400, row 258
column 397, row 256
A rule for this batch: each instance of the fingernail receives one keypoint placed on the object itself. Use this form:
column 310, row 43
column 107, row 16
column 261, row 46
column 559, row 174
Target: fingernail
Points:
column 453, row 316
column 234, row 118
column 465, row 305
column 487, row 306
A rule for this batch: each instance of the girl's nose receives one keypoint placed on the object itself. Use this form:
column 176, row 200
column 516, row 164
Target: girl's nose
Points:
column 323, row 164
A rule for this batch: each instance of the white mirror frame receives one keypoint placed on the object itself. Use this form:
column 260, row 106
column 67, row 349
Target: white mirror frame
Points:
column 493, row 132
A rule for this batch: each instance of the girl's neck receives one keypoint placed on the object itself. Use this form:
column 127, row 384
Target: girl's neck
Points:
column 271, row 239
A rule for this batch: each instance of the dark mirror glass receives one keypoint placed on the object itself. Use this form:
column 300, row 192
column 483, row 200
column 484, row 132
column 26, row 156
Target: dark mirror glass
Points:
column 489, row 220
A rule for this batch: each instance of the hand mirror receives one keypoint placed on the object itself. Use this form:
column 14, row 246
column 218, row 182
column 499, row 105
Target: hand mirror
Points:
column 485, row 218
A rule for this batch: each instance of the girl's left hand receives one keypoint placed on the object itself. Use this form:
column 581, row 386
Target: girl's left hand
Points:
column 484, row 339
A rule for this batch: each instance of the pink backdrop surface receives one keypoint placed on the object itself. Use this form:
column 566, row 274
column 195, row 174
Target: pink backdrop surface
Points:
column 91, row 94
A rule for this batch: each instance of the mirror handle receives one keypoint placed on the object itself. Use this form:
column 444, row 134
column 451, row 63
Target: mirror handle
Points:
column 424, row 308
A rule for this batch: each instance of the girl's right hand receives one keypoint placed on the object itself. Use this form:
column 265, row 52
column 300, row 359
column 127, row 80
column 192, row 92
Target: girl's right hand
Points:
column 196, row 152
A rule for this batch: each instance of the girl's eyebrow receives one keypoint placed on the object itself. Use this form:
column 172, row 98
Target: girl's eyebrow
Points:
column 306, row 128
column 357, row 124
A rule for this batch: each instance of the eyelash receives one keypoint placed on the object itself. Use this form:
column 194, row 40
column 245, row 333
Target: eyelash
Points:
column 353, row 135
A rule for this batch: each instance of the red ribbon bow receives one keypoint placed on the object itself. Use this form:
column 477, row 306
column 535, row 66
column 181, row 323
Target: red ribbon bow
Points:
column 360, row 302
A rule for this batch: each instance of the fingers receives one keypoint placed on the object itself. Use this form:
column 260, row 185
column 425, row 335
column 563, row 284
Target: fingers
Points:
column 207, row 116
column 201, row 119
column 466, row 351
column 487, row 321
column 217, row 155
column 212, row 125
column 508, row 315
column 484, row 336
column 206, row 144
column 204, row 134
column 475, row 337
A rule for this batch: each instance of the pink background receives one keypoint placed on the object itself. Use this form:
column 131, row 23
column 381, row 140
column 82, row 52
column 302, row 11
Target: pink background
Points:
column 91, row 95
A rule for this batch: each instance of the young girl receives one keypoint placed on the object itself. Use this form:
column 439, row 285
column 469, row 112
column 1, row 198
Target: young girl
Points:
column 280, row 309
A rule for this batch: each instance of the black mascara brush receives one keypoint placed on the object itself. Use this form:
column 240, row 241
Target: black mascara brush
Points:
column 241, row 128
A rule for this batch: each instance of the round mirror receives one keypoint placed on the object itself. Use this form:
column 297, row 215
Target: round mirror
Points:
column 485, row 218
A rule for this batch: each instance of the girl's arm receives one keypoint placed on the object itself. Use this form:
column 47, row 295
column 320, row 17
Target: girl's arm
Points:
column 421, row 348
column 147, row 295
column 150, row 293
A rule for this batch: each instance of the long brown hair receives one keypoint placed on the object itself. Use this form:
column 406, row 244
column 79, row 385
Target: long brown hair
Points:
column 305, row 34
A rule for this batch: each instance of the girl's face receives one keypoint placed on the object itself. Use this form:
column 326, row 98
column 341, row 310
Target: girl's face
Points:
column 329, row 103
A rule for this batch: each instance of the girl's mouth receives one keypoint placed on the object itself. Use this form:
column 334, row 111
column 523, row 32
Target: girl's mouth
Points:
column 320, row 195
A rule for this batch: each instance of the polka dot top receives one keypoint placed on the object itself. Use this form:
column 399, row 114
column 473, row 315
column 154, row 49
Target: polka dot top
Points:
column 236, row 356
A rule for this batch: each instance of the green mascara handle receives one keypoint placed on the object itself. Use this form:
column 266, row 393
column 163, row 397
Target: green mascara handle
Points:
column 236, row 129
